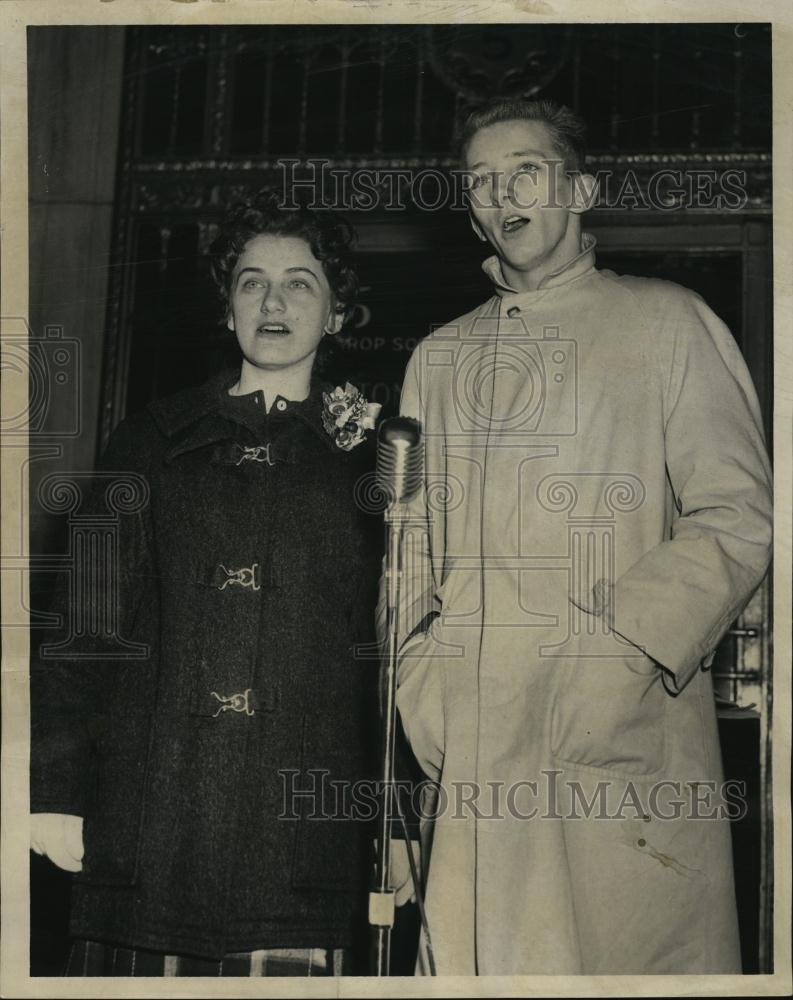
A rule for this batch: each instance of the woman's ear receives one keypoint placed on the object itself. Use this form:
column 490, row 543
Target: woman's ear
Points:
column 335, row 321
column 585, row 192
column 230, row 321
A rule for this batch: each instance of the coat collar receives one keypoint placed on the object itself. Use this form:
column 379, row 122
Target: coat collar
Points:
column 199, row 416
column 578, row 265
column 176, row 413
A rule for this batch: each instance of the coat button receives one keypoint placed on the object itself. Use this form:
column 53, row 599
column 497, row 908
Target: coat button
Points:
column 281, row 404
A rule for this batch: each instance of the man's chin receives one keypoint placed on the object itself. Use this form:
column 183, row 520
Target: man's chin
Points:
column 521, row 251
column 522, row 262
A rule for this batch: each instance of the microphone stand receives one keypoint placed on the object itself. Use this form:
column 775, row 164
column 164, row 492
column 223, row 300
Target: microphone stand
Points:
column 400, row 458
column 381, row 898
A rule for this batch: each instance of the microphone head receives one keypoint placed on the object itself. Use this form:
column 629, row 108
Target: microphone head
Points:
column 400, row 458
column 399, row 429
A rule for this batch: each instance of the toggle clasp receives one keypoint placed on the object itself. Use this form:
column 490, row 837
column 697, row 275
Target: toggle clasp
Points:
column 234, row 702
column 244, row 577
column 257, row 453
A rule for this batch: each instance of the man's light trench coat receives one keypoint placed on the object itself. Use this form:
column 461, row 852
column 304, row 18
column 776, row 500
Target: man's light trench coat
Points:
column 596, row 513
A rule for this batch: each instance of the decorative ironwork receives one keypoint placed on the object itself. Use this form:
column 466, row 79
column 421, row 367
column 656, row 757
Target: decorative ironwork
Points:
column 338, row 80
column 514, row 59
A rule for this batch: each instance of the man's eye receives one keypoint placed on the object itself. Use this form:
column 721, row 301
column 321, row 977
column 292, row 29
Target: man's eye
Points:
column 479, row 180
column 528, row 168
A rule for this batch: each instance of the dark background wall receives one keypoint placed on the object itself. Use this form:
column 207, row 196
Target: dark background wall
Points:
column 75, row 80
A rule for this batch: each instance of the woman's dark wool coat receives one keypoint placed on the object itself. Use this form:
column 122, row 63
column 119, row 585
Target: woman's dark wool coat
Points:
column 193, row 842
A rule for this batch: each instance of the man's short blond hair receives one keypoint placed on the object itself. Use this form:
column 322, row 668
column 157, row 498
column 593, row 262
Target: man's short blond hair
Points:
column 567, row 129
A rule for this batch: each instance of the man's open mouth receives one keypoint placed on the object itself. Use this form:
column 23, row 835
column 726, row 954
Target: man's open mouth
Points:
column 513, row 223
column 276, row 329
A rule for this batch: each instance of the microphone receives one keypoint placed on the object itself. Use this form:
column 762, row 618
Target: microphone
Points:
column 400, row 458
column 399, row 473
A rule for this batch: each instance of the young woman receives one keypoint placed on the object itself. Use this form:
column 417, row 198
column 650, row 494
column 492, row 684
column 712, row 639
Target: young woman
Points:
column 208, row 780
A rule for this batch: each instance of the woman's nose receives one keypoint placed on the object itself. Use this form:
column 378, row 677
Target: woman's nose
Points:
column 272, row 300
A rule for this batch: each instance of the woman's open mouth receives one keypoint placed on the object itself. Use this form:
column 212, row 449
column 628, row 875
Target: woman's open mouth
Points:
column 274, row 329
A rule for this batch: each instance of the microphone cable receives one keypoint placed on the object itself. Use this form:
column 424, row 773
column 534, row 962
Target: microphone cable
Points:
column 416, row 885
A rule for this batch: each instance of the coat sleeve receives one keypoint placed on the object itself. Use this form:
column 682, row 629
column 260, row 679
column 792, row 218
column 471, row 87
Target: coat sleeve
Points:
column 71, row 690
column 419, row 674
column 678, row 600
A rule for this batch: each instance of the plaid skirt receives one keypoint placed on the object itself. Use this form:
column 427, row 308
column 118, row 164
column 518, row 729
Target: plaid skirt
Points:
column 93, row 958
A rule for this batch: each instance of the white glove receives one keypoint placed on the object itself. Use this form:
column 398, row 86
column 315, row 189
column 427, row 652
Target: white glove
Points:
column 58, row 837
column 400, row 878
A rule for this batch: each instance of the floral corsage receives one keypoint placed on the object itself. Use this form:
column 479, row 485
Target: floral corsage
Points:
column 347, row 416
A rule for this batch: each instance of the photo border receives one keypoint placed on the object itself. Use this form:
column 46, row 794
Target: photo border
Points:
column 15, row 16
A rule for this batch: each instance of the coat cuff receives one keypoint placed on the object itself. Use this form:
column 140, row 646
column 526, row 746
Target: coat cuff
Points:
column 61, row 776
column 47, row 797
column 641, row 623
column 679, row 659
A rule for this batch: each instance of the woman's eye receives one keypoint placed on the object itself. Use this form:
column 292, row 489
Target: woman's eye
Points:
column 298, row 283
column 252, row 283
column 528, row 168
column 478, row 180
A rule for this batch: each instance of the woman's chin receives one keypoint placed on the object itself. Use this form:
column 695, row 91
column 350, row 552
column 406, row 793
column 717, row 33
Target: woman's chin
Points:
column 273, row 359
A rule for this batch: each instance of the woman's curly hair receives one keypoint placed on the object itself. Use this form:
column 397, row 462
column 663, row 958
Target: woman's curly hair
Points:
column 330, row 237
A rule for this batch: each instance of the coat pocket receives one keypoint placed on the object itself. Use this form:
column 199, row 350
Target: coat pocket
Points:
column 331, row 841
column 112, row 828
column 610, row 714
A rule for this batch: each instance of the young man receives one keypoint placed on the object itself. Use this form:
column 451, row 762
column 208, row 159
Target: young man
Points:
column 597, row 512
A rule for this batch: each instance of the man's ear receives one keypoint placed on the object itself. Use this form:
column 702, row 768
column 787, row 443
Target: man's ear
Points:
column 230, row 321
column 335, row 320
column 476, row 227
column 585, row 192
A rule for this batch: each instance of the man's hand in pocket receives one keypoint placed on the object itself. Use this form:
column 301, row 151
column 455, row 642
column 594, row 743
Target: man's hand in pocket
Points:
column 401, row 880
